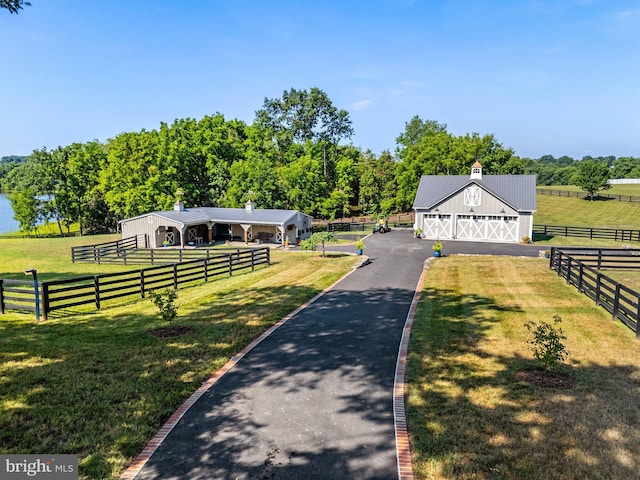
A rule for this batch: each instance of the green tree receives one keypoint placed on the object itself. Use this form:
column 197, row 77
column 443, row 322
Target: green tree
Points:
column 14, row 6
column 25, row 209
column 254, row 178
column 303, row 183
column 301, row 116
column 134, row 180
column 378, row 187
column 592, row 177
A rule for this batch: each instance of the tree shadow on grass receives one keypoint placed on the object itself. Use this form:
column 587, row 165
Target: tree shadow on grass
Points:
column 469, row 414
column 314, row 400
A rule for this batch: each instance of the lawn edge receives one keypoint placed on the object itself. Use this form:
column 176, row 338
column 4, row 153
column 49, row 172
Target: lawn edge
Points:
column 138, row 463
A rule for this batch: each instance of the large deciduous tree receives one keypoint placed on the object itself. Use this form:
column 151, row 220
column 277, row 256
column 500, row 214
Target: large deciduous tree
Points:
column 592, row 177
column 301, row 116
column 426, row 148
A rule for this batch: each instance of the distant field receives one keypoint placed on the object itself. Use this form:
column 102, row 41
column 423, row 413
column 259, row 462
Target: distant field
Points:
column 626, row 189
column 579, row 212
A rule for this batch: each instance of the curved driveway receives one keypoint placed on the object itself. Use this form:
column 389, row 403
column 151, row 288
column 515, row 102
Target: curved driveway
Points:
column 313, row 400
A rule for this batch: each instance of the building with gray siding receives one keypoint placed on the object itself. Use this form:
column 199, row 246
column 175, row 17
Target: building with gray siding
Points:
column 197, row 226
column 484, row 208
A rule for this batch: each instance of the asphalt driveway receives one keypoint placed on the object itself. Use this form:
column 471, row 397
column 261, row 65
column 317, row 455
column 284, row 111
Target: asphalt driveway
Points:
column 314, row 399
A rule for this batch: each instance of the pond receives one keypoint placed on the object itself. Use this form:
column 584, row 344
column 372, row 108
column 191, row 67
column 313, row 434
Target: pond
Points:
column 7, row 222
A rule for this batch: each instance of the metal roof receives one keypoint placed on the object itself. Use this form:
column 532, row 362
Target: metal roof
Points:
column 194, row 216
column 518, row 191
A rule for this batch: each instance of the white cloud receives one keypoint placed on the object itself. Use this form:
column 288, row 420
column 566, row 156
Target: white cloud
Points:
column 362, row 104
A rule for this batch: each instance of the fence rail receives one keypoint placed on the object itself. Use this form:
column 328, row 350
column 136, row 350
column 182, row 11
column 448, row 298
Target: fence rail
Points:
column 617, row 234
column 94, row 290
column 17, row 295
column 600, row 195
column 104, row 252
column 576, row 265
column 357, row 226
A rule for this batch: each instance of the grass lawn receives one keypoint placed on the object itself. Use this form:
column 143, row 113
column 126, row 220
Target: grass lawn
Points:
column 470, row 418
column 100, row 385
column 578, row 212
column 629, row 278
column 51, row 257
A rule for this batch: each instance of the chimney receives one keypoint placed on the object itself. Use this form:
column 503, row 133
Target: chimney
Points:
column 249, row 206
column 178, row 206
column 476, row 171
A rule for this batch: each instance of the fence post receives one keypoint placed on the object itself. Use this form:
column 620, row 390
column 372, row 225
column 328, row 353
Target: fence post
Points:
column 231, row 264
column 581, row 270
column 569, row 269
column 253, row 262
column 1, row 296
column 142, row 289
column 175, row 274
column 96, row 288
column 45, row 300
column 599, row 259
column 598, row 288
column 553, row 252
column 616, row 303
column 638, row 319
column 268, row 250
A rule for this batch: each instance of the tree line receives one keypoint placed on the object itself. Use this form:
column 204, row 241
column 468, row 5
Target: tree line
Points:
column 294, row 155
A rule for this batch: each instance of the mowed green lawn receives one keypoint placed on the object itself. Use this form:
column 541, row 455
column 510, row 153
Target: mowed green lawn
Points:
column 100, row 385
column 578, row 212
column 471, row 418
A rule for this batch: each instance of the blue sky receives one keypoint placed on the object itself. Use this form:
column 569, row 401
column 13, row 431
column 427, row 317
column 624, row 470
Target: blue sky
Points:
column 545, row 77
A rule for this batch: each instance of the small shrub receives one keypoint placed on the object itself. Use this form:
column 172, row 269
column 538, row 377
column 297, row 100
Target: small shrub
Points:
column 437, row 246
column 526, row 239
column 546, row 342
column 165, row 301
column 359, row 244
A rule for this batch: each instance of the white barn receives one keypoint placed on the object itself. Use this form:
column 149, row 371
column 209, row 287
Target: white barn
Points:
column 482, row 208
column 196, row 226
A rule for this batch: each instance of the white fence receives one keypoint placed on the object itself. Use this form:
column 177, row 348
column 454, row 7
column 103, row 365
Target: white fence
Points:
column 618, row 181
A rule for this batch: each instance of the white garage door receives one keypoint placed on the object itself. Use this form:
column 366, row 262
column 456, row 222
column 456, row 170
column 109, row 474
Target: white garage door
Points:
column 436, row 226
column 487, row 228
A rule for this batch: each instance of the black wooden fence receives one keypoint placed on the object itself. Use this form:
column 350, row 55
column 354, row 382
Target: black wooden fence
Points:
column 579, row 266
column 17, row 295
column 599, row 195
column 618, row 234
column 105, row 252
column 94, row 290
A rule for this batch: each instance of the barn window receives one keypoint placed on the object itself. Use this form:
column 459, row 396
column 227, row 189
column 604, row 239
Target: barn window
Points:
column 472, row 196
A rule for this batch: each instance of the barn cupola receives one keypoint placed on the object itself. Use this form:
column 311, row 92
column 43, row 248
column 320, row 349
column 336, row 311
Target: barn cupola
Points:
column 249, row 206
column 178, row 206
column 476, row 171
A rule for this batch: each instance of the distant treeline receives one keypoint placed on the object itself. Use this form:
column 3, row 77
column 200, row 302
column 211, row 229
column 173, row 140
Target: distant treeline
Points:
column 294, row 156
column 563, row 170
